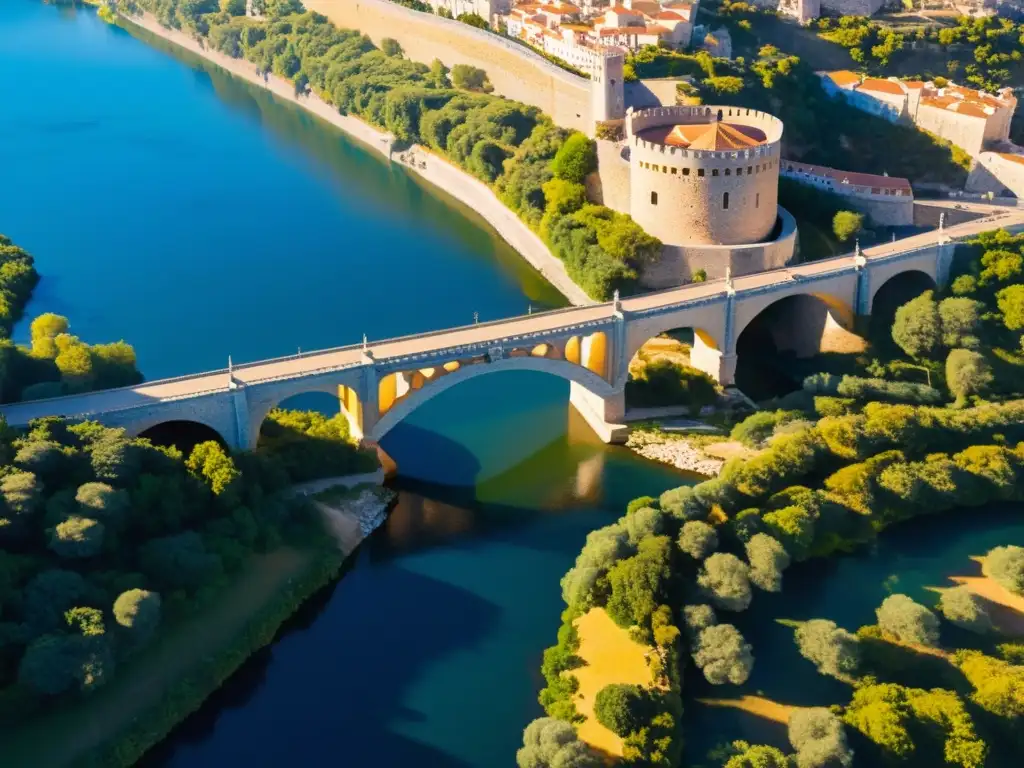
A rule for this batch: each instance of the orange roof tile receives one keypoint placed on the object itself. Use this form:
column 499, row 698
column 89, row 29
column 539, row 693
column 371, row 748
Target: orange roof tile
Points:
column 914, row 84
column 881, row 86
column 712, row 136
column 622, row 10
column 668, row 15
column 843, row 77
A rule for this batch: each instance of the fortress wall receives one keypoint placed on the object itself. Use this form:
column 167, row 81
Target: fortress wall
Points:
column 965, row 131
column 994, row 173
column 614, row 174
column 886, row 211
column 515, row 72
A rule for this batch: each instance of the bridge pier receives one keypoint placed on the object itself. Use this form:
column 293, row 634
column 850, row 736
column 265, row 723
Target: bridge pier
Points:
column 604, row 414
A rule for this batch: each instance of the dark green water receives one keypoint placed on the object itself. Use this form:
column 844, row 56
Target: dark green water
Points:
column 196, row 217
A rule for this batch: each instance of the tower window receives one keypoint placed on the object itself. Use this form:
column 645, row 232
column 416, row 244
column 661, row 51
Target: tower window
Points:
column 750, row 169
column 714, row 171
column 700, row 171
column 728, row 172
column 725, row 201
column 674, row 171
column 739, row 171
column 654, row 198
column 686, row 171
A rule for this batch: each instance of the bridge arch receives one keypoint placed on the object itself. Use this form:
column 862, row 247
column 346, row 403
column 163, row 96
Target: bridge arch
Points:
column 184, row 434
column 412, row 400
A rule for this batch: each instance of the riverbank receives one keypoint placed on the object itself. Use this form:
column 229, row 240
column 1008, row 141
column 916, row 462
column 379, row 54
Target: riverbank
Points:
column 447, row 178
column 674, row 450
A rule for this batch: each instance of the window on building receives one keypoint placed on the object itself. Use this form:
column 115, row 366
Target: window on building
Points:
column 674, row 171
column 739, row 171
column 664, row 169
column 725, row 201
column 757, row 200
column 654, row 198
column 714, row 171
column 750, row 170
column 700, row 171
column 728, row 172
column 686, row 171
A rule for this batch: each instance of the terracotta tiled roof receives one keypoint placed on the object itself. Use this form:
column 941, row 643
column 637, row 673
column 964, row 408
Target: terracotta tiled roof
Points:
column 668, row 16
column 624, row 11
column 843, row 77
column 915, row 85
column 953, row 104
column 713, row 136
column 881, row 86
column 848, row 177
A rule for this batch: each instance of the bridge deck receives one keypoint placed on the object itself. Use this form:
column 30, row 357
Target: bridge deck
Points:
column 475, row 335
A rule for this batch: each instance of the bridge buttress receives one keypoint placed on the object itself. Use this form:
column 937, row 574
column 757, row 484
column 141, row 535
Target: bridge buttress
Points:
column 243, row 438
column 604, row 414
column 369, row 395
column 944, row 261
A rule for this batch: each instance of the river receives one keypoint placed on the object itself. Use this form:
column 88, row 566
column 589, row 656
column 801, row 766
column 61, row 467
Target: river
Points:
column 197, row 217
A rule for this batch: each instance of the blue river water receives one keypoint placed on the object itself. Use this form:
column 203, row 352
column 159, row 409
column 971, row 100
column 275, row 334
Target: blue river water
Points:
column 197, row 217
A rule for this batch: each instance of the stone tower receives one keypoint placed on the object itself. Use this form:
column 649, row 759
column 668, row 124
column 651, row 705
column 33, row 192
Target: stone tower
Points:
column 606, row 84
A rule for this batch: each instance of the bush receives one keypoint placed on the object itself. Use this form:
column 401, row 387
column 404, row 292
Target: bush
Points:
column 77, row 537
column 833, row 650
column 819, row 739
column 726, row 580
column 755, row 430
column 962, row 607
column 468, row 78
column 723, row 655
column 846, row 224
column 967, row 373
column 101, row 501
column 622, row 708
column 551, row 743
column 666, row 382
column 907, row 621
column 138, row 611
column 768, row 559
column 1006, row 566
column 576, row 158
column 917, row 329
column 698, row 539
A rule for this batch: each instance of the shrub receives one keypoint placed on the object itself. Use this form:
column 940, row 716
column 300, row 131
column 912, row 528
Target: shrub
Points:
column 1006, row 566
column 846, row 224
column 77, row 537
column 138, row 611
column 917, row 329
column 723, row 655
column 756, row 756
column 640, row 503
column 768, row 559
column 666, row 382
column 575, row 159
column 551, row 743
column 907, row 621
column 962, row 607
column 638, row 583
column 819, row 739
column 754, row 430
column 622, row 708
column 833, row 650
column 967, row 373
column 179, row 561
column 101, row 501
column 468, row 78
column 726, row 580
column 698, row 539
column 697, row 618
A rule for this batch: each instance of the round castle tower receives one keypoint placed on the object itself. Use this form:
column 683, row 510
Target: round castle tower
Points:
column 704, row 175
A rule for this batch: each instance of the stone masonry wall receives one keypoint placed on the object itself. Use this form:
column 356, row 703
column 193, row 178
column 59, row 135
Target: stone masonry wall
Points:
column 851, row 7
column 515, row 72
column 965, row 131
column 995, row 173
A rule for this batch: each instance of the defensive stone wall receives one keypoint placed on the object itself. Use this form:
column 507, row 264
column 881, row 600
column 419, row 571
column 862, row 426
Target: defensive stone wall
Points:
column 613, row 172
column 514, row 71
column 678, row 263
column 967, row 132
column 693, row 196
column 852, row 7
column 997, row 173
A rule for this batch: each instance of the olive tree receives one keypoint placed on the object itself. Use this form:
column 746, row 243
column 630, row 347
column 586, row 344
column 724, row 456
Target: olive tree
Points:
column 138, row 611
column 768, row 559
column 818, row 737
column 698, row 539
column 726, row 581
column 1006, row 566
column 622, row 708
column 962, row 607
column 907, row 621
column 723, row 655
column 77, row 537
column 833, row 650
column 551, row 743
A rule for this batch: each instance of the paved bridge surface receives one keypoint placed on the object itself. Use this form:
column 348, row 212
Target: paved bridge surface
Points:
column 380, row 383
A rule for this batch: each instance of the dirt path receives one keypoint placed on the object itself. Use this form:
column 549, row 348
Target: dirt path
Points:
column 58, row 739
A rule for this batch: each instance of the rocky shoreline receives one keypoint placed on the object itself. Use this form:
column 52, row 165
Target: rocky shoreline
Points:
column 677, row 452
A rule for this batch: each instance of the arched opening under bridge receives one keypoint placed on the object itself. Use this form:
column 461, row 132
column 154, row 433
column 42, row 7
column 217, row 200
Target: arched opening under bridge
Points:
column 772, row 347
column 672, row 369
column 890, row 296
column 182, row 434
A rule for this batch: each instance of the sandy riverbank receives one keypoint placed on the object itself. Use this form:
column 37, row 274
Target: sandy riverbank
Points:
column 453, row 181
column 675, row 451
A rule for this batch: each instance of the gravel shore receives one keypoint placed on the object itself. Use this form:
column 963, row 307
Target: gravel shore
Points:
column 677, row 452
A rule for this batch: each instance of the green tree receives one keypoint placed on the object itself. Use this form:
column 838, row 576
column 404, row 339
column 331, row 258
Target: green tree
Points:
column 961, row 322
column 48, row 596
column 44, row 330
column 962, row 607
column 391, row 47
column 551, row 743
column 723, row 655
column 53, row 664
column 907, row 621
column 1006, row 566
column 698, row 539
column 637, row 583
column 87, row 622
column 468, row 78
column 77, row 537
column 726, row 580
column 756, row 756
column 102, row 501
column 211, row 463
column 138, row 611
column 179, row 561
column 917, row 329
column 622, row 708
column 846, row 224
column 233, row 7
column 967, row 373
column 576, row 158
column 881, row 712
column 768, row 559
column 473, row 20
column 833, row 650
column 1010, row 301
column 818, row 737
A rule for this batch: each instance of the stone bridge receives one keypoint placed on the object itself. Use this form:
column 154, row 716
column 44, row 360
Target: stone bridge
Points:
column 380, row 383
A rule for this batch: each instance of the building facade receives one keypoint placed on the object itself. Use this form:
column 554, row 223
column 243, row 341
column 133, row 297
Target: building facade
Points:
column 886, row 200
